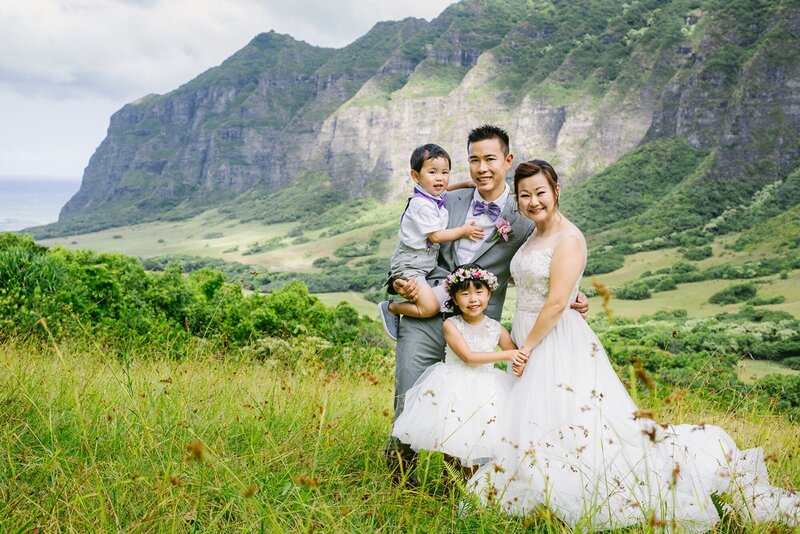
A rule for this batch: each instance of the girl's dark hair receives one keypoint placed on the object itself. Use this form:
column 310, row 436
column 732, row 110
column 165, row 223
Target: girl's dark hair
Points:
column 532, row 168
column 462, row 284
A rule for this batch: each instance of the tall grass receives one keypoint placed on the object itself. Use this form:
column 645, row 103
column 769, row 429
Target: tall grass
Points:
column 210, row 444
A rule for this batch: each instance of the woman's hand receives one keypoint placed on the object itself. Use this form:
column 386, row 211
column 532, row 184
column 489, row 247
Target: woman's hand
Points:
column 519, row 361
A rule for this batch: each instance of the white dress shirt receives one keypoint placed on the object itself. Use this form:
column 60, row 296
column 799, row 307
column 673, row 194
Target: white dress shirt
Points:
column 466, row 249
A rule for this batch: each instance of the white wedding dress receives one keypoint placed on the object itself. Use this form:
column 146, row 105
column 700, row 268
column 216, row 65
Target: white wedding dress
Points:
column 454, row 407
column 574, row 441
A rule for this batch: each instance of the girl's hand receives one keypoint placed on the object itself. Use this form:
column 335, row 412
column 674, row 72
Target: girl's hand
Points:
column 518, row 362
column 472, row 232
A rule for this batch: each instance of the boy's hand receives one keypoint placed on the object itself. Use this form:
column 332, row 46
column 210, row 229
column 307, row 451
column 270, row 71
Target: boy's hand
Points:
column 472, row 232
column 407, row 289
column 581, row 305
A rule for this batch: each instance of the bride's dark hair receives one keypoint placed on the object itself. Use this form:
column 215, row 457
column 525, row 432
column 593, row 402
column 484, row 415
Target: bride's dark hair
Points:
column 532, row 168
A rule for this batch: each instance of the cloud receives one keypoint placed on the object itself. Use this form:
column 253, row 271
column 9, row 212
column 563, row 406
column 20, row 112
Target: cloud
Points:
column 66, row 65
column 128, row 48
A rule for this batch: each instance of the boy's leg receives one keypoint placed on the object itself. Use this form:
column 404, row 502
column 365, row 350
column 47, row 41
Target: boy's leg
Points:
column 420, row 344
column 427, row 305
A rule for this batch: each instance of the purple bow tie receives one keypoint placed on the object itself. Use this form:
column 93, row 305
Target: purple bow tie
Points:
column 491, row 209
column 421, row 194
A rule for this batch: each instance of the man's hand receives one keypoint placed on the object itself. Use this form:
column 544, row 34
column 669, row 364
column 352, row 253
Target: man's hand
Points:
column 408, row 289
column 581, row 305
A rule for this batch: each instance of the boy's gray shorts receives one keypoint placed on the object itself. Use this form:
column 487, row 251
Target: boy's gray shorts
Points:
column 407, row 263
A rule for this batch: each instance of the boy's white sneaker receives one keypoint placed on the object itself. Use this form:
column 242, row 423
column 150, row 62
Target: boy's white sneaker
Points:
column 391, row 322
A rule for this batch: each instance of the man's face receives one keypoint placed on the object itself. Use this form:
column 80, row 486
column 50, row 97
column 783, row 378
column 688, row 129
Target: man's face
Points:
column 488, row 166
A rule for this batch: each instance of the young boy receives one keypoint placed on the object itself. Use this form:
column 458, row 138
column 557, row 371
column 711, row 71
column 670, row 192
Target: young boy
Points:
column 422, row 227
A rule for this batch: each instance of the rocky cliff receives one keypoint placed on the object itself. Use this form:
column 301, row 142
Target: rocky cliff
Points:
column 579, row 82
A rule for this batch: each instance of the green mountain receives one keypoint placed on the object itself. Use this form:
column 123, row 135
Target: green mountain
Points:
column 663, row 118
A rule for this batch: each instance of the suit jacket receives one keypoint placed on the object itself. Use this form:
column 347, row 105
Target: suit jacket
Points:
column 494, row 255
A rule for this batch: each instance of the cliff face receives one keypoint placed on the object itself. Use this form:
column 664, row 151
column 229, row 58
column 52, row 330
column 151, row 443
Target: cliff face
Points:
column 577, row 82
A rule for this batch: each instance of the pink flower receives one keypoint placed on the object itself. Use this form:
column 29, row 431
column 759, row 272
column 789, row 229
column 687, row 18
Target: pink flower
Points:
column 502, row 229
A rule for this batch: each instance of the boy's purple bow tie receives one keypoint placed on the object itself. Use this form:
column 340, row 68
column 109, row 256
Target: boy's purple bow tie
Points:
column 491, row 209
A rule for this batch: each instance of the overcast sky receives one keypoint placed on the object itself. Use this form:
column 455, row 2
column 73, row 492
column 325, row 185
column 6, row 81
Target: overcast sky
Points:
column 67, row 65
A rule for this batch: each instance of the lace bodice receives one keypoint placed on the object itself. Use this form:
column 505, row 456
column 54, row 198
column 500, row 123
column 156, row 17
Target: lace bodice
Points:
column 530, row 269
column 480, row 338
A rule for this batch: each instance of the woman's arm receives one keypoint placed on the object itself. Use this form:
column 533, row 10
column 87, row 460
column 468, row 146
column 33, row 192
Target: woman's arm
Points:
column 456, row 342
column 565, row 268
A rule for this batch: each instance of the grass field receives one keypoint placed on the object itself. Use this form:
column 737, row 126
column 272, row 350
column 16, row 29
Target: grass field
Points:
column 213, row 444
column 220, row 442
column 356, row 300
column 751, row 370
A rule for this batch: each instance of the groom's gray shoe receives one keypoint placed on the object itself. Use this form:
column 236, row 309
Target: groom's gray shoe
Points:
column 401, row 469
column 391, row 322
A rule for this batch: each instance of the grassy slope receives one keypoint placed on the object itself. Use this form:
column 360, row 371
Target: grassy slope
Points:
column 186, row 237
column 210, row 444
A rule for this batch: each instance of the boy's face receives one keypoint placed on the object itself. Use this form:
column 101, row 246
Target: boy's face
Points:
column 434, row 176
column 488, row 166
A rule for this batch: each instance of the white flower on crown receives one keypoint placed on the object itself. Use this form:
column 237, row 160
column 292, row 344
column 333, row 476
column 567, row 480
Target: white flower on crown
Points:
column 471, row 273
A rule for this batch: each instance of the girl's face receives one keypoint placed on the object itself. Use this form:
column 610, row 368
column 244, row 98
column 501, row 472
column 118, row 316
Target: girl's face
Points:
column 536, row 198
column 472, row 300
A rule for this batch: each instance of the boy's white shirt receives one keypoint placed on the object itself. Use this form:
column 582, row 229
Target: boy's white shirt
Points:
column 422, row 217
column 465, row 248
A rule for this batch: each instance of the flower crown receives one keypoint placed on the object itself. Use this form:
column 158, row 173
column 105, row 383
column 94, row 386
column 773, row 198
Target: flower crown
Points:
column 471, row 273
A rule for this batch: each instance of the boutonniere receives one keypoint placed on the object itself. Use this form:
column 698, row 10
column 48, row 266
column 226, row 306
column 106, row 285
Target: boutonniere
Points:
column 502, row 228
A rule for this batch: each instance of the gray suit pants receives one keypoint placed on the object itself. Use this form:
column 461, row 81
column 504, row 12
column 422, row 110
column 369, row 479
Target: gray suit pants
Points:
column 420, row 345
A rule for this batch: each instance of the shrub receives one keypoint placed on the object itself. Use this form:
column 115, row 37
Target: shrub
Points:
column 697, row 253
column 732, row 294
column 665, row 284
column 633, row 291
column 603, row 262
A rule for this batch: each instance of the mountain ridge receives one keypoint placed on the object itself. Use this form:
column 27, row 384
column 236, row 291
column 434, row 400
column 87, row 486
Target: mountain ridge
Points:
column 579, row 83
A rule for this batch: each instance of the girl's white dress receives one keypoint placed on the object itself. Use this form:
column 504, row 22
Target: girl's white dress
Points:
column 574, row 441
column 454, row 407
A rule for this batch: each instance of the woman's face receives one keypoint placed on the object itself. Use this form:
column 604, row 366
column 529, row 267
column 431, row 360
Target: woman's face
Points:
column 536, row 198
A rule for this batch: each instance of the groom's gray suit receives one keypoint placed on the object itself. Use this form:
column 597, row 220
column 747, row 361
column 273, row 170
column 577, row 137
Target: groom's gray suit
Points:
column 420, row 342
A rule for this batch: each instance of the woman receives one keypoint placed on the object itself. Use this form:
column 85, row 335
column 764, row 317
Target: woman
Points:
column 574, row 440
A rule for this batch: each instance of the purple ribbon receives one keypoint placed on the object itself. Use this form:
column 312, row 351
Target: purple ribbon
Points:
column 491, row 209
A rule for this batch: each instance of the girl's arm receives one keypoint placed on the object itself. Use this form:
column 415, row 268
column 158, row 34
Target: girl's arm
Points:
column 519, row 358
column 468, row 230
column 456, row 342
column 506, row 343
column 565, row 268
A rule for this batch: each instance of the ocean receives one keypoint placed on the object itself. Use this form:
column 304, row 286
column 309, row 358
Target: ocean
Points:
column 29, row 201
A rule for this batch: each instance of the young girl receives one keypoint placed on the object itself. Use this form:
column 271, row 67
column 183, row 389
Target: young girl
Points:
column 454, row 406
column 423, row 227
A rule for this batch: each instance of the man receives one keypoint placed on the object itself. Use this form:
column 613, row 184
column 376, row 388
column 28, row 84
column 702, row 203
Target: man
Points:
column 420, row 342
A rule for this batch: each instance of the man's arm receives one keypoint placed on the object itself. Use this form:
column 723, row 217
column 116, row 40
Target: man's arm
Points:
column 408, row 289
column 581, row 305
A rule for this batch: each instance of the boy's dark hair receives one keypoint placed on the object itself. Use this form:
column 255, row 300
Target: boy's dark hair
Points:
column 489, row 131
column 460, row 285
column 427, row 152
